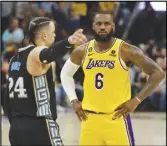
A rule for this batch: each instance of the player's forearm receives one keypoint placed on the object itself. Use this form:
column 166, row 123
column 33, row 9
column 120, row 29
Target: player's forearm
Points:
column 67, row 72
column 151, row 84
column 69, row 86
column 57, row 50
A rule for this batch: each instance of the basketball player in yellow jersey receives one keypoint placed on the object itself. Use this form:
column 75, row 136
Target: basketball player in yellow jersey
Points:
column 107, row 101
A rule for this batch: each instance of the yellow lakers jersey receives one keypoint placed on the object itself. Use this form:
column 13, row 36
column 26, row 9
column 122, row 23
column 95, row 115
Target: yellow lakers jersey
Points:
column 107, row 79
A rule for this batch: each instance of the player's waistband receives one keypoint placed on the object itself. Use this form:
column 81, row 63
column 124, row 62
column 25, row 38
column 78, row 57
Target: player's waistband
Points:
column 93, row 112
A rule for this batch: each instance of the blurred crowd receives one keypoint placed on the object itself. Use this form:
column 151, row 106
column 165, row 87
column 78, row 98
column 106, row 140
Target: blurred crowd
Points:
column 147, row 31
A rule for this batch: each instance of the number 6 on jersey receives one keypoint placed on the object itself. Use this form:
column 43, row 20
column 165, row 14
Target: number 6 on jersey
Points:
column 99, row 81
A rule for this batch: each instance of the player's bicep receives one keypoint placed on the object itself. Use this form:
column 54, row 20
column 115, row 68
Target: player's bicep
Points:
column 137, row 57
column 78, row 54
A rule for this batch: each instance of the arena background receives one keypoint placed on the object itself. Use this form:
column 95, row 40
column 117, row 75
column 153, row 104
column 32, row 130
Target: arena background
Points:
column 140, row 23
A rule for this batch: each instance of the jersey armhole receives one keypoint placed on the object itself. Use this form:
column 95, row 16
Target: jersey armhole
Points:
column 11, row 60
column 85, row 54
column 122, row 63
column 42, row 64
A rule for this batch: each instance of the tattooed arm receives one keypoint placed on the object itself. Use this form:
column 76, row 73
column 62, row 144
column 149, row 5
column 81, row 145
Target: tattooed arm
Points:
column 134, row 55
column 130, row 53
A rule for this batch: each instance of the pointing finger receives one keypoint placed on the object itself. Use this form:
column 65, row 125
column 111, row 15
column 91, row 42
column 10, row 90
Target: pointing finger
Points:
column 79, row 31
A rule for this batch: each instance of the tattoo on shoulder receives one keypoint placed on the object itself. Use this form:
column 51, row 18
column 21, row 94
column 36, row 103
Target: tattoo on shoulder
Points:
column 136, row 56
column 130, row 52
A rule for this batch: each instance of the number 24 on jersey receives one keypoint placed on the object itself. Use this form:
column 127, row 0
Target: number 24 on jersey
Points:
column 17, row 87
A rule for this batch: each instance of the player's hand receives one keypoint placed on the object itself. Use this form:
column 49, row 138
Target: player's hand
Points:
column 77, row 37
column 77, row 107
column 126, row 108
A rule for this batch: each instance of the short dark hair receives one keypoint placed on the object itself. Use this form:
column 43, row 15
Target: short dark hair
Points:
column 102, row 12
column 35, row 25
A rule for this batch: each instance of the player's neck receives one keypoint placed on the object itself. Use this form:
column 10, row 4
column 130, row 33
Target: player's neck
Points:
column 40, row 43
column 102, row 46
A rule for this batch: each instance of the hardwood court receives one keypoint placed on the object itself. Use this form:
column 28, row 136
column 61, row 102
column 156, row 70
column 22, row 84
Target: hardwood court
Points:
column 149, row 128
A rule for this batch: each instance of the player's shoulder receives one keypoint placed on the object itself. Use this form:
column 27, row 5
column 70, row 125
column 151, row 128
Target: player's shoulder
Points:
column 38, row 48
column 118, row 41
column 124, row 45
column 127, row 46
column 25, row 48
column 129, row 50
column 34, row 53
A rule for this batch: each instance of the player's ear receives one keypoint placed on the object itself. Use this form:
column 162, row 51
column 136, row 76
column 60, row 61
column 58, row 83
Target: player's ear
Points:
column 113, row 27
column 93, row 25
column 44, row 35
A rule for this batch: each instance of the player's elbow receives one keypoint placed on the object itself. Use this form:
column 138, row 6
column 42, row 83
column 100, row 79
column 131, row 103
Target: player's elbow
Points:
column 160, row 74
column 63, row 74
column 69, row 69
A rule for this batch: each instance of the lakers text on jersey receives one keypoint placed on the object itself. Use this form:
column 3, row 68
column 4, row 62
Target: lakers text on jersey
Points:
column 107, row 82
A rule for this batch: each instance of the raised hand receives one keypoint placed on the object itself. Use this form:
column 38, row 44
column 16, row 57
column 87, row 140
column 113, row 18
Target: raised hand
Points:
column 77, row 37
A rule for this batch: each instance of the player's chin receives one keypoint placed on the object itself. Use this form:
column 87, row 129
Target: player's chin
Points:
column 102, row 36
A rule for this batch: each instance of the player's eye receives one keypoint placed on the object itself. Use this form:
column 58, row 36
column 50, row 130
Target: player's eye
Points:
column 98, row 23
column 106, row 23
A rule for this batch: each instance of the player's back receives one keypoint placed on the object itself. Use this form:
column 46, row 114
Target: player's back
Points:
column 107, row 82
column 30, row 95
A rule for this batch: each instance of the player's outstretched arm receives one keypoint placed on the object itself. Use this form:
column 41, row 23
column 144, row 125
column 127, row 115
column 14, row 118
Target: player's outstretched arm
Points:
column 67, row 73
column 40, row 57
column 45, row 55
column 130, row 53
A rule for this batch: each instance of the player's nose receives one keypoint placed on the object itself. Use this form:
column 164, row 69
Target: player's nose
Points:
column 102, row 27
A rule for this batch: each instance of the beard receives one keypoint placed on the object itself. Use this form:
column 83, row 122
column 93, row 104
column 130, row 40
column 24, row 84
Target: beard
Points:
column 106, row 38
